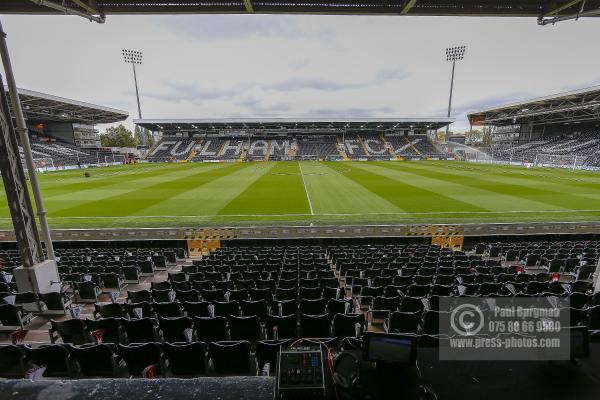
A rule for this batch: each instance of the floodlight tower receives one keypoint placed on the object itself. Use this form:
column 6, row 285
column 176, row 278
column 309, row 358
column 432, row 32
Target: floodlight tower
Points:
column 454, row 54
column 134, row 57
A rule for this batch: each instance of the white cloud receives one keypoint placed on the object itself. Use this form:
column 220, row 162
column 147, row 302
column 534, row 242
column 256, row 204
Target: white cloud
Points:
column 268, row 65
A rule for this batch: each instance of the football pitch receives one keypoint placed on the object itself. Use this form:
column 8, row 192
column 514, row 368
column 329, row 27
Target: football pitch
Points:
column 300, row 193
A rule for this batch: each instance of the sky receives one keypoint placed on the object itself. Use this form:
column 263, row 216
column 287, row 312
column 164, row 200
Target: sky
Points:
column 218, row 66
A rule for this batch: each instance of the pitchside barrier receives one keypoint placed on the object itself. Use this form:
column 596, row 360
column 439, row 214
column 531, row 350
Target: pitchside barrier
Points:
column 318, row 231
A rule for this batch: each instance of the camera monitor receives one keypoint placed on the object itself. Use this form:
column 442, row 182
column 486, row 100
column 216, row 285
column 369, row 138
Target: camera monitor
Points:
column 390, row 348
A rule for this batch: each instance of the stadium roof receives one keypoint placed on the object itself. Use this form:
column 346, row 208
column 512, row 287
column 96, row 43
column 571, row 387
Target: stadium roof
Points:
column 41, row 107
column 531, row 8
column 581, row 105
column 174, row 125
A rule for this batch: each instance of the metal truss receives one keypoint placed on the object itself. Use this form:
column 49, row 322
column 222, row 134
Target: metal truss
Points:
column 15, row 186
column 92, row 9
column 553, row 15
column 43, row 107
column 87, row 9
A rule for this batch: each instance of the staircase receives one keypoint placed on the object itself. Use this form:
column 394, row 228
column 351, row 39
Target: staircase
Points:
column 341, row 147
column 412, row 145
column 221, row 149
column 293, row 150
column 151, row 149
column 243, row 154
column 268, row 153
column 389, row 147
column 193, row 152
column 362, row 144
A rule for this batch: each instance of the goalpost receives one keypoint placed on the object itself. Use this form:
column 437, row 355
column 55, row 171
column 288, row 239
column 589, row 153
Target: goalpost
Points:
column 567, row 161
column 43, row 164
column 114, row 159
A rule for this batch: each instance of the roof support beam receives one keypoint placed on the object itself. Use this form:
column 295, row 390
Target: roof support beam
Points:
column 557, row 9
column 69, row 10
column 249, row 6
column 89, row 5
column 409, row 5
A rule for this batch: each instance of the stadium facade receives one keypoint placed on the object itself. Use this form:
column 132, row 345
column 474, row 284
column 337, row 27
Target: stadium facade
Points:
column 68, row 120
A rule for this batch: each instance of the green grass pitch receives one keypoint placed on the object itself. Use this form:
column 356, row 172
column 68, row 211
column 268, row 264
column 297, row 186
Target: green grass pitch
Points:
column 172, row 195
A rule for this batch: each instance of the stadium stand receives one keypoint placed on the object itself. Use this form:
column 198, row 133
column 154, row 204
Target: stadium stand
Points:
column 368, row 146
column 51, row 152
column 280, row 149
column 581, row 150
column 425, row 147
column 234, row 303
column 355, row 148
column 316, row 147
column 372, row 146
column 401, row 146
column 258, row 149
column 209, row 149
column 231, row 149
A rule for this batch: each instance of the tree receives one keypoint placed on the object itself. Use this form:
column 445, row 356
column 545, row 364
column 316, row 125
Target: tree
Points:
column 487, row 137
column 117, row 136
column 474, row 137
column 147, row 135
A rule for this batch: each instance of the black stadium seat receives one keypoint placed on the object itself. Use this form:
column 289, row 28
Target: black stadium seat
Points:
column 186, row 359
column 231, row 357
column 110, row 310
column 70, row 331
column 169, row 309
column 55, row 358
column 348, row 325
column 108, row 329
column 284, row 326
column 245, row 328
column 209, row 329
column 140, row 330
column 315, row 326
column 173, row 329
column 12, row 362
column 139, row 356
column 96, row 361
column 197, row 309
column 266, row 352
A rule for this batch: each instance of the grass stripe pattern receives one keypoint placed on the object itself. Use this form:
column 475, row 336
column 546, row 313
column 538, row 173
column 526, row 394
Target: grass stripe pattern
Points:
column 282, row 193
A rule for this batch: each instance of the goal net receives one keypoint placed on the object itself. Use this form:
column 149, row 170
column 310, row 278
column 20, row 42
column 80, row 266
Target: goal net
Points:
column 559, row 160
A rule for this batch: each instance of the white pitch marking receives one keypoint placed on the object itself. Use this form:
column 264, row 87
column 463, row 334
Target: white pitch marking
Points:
column 306, row 190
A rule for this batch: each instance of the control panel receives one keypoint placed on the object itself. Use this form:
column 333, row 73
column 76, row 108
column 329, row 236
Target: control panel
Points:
column 300, row 374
